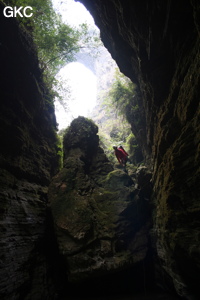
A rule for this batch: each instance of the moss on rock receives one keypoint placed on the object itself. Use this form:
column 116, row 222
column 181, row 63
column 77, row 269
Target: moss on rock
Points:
column 95, row 208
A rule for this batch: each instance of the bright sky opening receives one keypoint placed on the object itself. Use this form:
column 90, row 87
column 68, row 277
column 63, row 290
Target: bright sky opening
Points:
column 82, row 80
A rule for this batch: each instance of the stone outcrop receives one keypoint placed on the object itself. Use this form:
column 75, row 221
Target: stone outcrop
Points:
column 101, row 221
column 28, row 159
column 157, row 45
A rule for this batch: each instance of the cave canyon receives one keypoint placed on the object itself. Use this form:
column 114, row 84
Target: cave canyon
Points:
column 89, row 225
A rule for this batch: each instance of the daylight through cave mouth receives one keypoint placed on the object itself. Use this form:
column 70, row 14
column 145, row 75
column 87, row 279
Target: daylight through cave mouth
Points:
column 94, row 87
column 91, row 222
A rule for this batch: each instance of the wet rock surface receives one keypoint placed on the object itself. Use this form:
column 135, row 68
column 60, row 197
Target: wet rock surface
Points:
column 157, row 46
column 28, row 160
column 101, row 223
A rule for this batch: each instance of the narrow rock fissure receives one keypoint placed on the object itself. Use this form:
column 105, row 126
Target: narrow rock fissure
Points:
column 91, row 228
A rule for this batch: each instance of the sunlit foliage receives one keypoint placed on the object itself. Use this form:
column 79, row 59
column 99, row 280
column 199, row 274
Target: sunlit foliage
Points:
column 57, row 43
column 120, row 107
column 121, row 96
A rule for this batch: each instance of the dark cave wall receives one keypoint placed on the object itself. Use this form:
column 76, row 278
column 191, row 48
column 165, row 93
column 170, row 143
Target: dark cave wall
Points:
column 28, row 159
column 156, row 44
column 146, row 38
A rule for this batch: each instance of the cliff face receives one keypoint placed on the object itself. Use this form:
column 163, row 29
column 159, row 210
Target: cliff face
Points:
column 28, row 160
column 157, row 45
column 101, row 221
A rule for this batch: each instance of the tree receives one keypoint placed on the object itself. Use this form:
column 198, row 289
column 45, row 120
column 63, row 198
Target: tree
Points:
column 57, row 43
column 121, row 94
column 121, row 106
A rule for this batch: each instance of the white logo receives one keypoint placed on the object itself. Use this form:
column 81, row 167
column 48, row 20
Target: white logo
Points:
column 10, row 12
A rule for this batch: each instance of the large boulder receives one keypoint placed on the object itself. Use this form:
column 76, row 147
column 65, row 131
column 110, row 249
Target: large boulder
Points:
column 100, row 221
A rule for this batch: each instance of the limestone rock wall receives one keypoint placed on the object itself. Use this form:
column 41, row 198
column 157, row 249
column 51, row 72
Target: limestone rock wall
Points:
column 101, row 221
column 28, row 160
column 156, row 44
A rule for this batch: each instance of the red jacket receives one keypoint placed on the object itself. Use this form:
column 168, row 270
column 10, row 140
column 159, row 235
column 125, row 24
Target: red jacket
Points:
column 121, row 154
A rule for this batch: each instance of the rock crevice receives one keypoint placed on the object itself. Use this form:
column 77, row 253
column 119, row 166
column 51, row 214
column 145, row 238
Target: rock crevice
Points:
column 157, row 46
column 101, row 222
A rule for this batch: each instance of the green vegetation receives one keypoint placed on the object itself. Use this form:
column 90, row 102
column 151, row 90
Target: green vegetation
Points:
column 121, row 94
column 114, row 132
column 56, row 42
column 122, row 97
column 60, row 152
column 117, row 111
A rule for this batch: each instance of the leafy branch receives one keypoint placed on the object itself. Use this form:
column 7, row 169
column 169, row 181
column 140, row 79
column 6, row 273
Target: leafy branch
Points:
column 57, row 43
